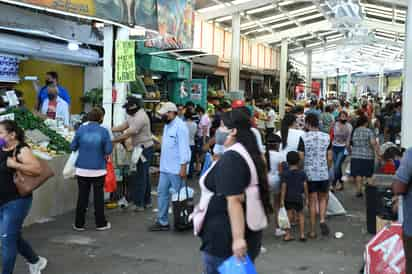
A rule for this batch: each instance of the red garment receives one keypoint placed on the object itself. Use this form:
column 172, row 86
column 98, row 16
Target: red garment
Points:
column 389, row 168
column 51, row 110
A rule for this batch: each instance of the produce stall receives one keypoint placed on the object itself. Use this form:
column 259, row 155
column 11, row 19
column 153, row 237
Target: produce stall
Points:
column 51, row 142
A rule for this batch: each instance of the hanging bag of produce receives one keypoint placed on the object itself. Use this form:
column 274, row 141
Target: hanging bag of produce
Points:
column 110, row 184
column 69, row 171
column 26, row 184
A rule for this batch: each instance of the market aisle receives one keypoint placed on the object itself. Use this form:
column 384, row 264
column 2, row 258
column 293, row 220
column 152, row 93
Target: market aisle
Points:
column 129, row 248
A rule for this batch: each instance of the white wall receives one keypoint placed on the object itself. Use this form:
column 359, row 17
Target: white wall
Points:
column 93, row 77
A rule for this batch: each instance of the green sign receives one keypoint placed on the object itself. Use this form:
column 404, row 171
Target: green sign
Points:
column 125, row 61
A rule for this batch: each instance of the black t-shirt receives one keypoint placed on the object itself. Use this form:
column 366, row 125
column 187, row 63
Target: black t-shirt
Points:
column 8, row 190
column 230, row 176
column 294, row 180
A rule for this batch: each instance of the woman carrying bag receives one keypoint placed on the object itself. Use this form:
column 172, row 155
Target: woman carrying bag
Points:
column 16, row 160
column 235, row 197
column 95, row 146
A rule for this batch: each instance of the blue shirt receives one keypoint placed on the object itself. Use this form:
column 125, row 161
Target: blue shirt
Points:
column 63, row 93
column 94, row 144
column 175, row 147
column 404, row 176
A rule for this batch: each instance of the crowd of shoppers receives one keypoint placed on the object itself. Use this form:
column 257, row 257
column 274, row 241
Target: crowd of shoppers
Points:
column 295, row 165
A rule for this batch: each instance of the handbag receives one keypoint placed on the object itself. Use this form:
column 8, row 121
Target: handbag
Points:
column 182, row 211
column 26, row 184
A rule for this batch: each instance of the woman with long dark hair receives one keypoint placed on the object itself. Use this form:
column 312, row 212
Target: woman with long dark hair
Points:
column 234, row 219
column 289, row 133
column 15, row 155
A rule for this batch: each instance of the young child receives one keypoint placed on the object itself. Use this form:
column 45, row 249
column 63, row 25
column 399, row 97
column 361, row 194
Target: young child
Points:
column 294, row 192
column 274, row 159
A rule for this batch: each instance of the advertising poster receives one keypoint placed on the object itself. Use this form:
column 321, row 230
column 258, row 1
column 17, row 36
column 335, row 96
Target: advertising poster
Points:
column 175, row 24
column 125, row 61
column 128, row 12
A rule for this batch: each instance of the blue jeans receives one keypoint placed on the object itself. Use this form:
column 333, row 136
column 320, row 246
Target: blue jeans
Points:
column 12, row 215
column 338, row 158
column 166, row 182
column 211, row 263
column 143, row 188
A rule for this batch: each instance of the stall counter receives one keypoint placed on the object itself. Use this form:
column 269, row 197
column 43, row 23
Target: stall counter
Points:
column 56, row 197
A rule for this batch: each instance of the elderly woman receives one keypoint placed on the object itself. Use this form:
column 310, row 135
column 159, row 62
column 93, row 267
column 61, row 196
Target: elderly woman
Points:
column 54, row 107
column 94, row 145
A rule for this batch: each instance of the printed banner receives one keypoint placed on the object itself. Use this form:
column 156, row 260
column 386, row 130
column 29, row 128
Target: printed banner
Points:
column 125, row 61
column 175, row 20
column 128, row 12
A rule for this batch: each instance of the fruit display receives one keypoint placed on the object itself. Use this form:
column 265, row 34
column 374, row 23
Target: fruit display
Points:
column 28, row 121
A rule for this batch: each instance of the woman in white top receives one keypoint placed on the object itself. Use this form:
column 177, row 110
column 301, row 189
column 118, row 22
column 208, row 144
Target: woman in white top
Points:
column 274, row 159
column 289, row 134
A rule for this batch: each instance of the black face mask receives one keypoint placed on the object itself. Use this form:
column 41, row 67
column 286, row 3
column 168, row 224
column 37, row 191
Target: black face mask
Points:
column 48, row 82
column 165, row 119
column 131, row 112
column 343, row 121
column 51, row 96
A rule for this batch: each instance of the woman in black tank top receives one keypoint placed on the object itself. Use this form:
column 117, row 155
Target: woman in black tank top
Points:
column 15, row 155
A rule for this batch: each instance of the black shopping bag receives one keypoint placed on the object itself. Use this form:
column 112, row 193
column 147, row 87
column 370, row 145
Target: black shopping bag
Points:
column 182, row 211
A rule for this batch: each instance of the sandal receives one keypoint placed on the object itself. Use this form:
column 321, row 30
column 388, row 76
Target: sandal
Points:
column 312, row 235
column 288, row 239
column 303, row 240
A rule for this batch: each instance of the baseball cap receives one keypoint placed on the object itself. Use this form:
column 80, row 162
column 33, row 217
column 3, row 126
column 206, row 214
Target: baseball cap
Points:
column 167, row 107
column 133, row 102
column 238, row 104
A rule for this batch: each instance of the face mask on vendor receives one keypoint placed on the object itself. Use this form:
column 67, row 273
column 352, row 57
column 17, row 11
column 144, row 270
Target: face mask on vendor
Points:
column 165, row 119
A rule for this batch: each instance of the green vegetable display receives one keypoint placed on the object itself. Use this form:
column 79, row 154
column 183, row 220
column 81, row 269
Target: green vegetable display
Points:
column 28, row 121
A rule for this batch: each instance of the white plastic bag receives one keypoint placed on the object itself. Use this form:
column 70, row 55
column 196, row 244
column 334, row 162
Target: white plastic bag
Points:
column 334, row 206
column 69, row 170
column 283, row 219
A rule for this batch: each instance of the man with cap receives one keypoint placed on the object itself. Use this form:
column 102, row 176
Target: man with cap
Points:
column 174, row 159
column 137, row 129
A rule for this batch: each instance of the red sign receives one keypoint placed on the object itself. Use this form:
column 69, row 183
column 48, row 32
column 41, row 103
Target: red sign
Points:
column 384, row 253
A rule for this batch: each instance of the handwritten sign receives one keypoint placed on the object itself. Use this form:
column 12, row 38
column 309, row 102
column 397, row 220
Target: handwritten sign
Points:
column 125, row 61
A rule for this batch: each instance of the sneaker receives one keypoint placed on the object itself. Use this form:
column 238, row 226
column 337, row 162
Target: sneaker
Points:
column 149, row 206
column 159, row 227
column 78, row 229
column 108, row 226
column 39, row 266
column 279, row 232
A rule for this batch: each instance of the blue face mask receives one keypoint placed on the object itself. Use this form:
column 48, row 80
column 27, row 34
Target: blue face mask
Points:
column 3, row 143
column 221, row 137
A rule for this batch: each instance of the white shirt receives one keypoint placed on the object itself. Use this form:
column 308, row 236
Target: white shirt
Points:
column 259, row 140
column 192, row 127
column 294, row 136
column 62, row 110
column 270, row 123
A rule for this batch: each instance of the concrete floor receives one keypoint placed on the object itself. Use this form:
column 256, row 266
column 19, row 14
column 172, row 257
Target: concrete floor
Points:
column 129, row 249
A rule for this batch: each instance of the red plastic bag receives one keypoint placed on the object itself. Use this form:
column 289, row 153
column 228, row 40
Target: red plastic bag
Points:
column 110, row 183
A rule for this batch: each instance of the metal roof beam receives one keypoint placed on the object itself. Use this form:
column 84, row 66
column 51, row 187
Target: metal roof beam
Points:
column 295, row 32
column 229, row 10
